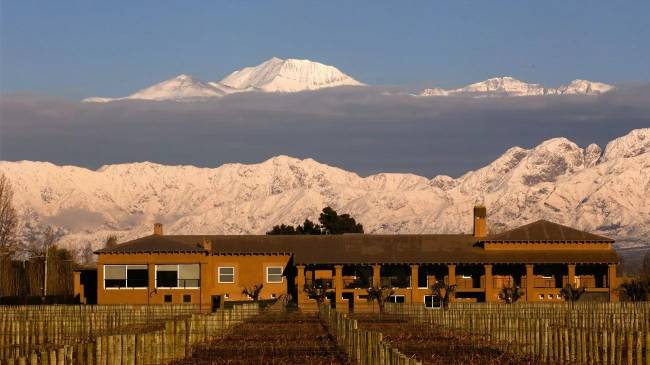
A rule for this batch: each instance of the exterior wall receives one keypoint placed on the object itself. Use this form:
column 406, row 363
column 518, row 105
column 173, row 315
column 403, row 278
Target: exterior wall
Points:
column 151, row 295
column 249, row 270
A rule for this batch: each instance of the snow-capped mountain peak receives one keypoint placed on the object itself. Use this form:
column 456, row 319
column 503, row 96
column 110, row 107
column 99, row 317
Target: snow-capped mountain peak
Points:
column 290, row 75
column 556, row 180
column 180, row 88
column 510, row 86
column 272, row 75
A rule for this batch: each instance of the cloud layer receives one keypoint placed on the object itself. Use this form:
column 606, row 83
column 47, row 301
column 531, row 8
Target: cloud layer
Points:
column 364, row 131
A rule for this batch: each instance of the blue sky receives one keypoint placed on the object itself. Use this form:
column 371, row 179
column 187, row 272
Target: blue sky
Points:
column 74, row 49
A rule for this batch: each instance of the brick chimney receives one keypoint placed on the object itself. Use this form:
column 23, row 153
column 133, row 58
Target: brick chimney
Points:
column 157, row 229
column 480, row 221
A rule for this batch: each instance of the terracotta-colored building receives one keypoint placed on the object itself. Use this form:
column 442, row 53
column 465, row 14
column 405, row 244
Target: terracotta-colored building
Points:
column 540, row 258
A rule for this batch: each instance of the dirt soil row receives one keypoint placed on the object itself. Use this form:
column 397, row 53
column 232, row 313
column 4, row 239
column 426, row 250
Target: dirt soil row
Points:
column 272, row 338
column 434, row 345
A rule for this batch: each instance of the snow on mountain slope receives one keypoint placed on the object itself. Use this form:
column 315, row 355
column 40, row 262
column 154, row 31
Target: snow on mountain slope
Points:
column 290, row 75
column 556, row 180
column 509, row 86
column 180, row 88
column 273, row 75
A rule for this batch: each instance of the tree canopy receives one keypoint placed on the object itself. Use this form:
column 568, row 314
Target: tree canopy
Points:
column 330, row 223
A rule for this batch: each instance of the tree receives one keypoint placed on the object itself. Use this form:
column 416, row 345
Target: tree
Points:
column 510, row 294
column 338, row 224
column 253, row 292
column 380, row 295
column 635, row 290
column 318, row 290
column 645, row 269
column 8, row 217
column 442, row 292
column 111, row 241
column 571, row 293
column 330, row 223
column 309, row 227
column 86, row 255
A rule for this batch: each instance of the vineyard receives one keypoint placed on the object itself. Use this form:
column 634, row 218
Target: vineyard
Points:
column 581, row 333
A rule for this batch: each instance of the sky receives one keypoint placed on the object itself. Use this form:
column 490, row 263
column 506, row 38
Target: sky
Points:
column 74, row 49
column 53, row 54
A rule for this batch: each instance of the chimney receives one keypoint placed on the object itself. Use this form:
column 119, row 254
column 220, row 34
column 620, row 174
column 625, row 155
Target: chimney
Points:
column 157, row 229
column 207, row 245
column 480, row 221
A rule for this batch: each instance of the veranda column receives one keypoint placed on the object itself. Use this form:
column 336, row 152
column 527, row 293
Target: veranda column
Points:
column 414, row 284
column 572, row 274
column 300, row 284
column 530, row 283
column 451, row 278
column 338, row 282
column 489, row 290
column 613, row 283
column 376, row 276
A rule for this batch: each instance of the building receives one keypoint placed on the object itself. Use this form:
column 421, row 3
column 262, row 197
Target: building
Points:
column 540, row 258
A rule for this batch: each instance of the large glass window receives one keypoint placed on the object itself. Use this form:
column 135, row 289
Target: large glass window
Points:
column 126, row 276
column 226, row 274
column 396, row 299
column 178, row 276
column 274, row 274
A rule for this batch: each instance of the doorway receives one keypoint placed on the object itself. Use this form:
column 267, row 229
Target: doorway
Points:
column 216, row 302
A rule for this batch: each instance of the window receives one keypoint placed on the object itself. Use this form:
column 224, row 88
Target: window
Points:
column 274, row 274
column 541, row 296
column 431, row 302
column 226, row 274
column 126, row 276
column 178, row 276
column 187, row 298
column 168, row 298
column 396, row 299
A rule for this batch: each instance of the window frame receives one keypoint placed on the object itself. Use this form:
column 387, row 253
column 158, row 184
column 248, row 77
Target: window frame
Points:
column 126, row 280
column 177, row 277
column 433, row 307
column 219, row 275
column 267, row 274
column 395, row 296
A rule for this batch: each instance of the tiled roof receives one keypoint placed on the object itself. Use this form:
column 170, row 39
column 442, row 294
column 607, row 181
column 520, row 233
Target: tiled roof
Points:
column 362, row 249
column 544, row 231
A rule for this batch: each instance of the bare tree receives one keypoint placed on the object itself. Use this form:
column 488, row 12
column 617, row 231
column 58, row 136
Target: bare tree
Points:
column 380, row 295
column 86, row 255
column 111, row 241
column 8, row 217
column 253, row 292
column 442, row 292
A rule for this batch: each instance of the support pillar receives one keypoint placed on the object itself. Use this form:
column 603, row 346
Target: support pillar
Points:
column 530, row 283
column 414, row 276
column 338, row 283
column 613, row 283
column 300, row 284
column 376, row 276
column 572, row 275
column 451, row 278
column 489, row 287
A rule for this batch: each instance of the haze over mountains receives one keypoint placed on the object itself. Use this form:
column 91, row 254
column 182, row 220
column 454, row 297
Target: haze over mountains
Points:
column 599, row 191
column 292, row 75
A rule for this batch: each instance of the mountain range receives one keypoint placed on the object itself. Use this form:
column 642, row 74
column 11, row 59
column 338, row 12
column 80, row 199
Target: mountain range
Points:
column 508, row 86
column 292, row 75
column 600, row 191
column 273, row 75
